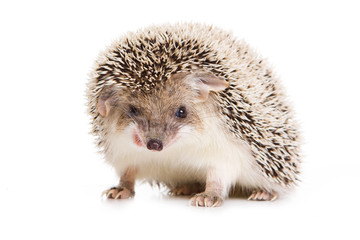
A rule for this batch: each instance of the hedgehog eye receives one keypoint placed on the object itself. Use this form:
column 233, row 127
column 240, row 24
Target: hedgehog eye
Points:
column 133, row 111
column 181, row 112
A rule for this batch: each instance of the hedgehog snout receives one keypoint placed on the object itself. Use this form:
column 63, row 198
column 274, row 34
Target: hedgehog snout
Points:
column 154, row 144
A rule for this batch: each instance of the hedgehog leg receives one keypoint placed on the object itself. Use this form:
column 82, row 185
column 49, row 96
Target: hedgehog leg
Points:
column 126, row 187
column 186, row 189
column 213, row 194
column 262, row 195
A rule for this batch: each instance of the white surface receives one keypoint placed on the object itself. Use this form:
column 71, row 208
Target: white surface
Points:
column 51, row 176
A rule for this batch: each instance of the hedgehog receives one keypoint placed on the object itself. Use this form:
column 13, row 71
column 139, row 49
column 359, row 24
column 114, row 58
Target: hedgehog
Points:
column 190, row 107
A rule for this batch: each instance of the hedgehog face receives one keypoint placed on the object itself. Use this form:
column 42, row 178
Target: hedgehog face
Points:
column 160, row 117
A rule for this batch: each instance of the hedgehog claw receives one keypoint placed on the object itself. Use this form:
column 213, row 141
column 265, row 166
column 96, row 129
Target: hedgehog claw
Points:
column 118, row 193
column 262, row 195
column 206, row 200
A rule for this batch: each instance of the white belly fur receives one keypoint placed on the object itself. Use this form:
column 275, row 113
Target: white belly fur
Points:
column 190, row 158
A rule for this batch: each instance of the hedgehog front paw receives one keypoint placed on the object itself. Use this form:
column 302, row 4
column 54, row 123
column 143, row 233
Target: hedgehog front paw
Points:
column 206, row 199
column 118, row 193
column 262, row 195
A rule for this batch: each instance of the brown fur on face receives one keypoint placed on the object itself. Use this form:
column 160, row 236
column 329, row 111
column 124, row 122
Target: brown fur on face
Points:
column 155, row 113
column 155, row 116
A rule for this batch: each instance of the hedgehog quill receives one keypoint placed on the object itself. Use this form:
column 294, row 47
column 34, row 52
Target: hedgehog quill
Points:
column 190, row 107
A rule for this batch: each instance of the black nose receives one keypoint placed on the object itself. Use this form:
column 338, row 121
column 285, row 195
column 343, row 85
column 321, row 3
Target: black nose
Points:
column 154, row 144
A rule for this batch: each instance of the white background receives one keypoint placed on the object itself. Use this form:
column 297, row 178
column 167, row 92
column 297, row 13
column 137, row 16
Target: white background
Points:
column 51, row 176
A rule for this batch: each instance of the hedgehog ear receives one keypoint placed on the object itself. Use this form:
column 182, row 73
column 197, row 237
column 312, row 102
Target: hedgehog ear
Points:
column 106, row 99
column 103, row 107
column 204, row 83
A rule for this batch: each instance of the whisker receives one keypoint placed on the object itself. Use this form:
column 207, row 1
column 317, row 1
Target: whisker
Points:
column 196, row 137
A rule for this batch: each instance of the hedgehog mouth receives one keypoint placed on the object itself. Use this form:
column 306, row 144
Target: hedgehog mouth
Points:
column 155, row 145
